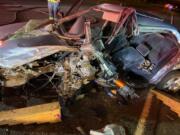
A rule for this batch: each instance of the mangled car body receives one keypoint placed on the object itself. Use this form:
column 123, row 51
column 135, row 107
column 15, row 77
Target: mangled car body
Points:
column 94, row 44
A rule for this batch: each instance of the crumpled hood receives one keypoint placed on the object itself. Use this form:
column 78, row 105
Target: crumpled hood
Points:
column 14, row 53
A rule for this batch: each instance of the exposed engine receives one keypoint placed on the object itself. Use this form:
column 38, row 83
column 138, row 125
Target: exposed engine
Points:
column 76, row 72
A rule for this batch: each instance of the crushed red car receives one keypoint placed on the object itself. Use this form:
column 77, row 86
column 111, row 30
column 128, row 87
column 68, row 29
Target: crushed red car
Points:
column 103, row 43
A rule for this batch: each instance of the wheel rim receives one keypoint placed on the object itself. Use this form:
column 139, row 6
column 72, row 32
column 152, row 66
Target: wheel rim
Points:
column 173, row 84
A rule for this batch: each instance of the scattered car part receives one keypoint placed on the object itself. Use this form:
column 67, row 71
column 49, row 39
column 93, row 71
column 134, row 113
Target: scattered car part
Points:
column 45, row 113
column 171, row 102
column 125, row 90
column 111, row 129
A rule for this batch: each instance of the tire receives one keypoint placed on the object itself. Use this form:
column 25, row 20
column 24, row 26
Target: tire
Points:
column 171, row 82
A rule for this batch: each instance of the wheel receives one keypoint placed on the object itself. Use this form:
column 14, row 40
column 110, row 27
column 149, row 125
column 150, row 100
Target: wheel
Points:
column 171, row 82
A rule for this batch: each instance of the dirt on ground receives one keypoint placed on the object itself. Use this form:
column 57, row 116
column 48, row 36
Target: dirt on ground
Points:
column 94, row 111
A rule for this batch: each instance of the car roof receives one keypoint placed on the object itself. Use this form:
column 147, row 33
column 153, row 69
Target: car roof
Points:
column 153, row 21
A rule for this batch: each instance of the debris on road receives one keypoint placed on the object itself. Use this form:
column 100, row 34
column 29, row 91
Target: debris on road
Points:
column 111, row 129
column 81, row 130
column 168, row 100
column 45, row 113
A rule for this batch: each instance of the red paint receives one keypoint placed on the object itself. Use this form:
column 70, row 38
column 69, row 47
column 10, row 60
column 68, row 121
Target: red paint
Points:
column 1, row 43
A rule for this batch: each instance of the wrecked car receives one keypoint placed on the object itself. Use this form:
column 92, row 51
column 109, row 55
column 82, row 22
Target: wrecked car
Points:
column 103, row 43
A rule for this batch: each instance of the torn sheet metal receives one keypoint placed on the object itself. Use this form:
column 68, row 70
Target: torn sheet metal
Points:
column 21, row 51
